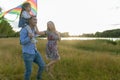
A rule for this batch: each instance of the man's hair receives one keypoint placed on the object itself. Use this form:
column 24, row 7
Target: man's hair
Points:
column 31, row 17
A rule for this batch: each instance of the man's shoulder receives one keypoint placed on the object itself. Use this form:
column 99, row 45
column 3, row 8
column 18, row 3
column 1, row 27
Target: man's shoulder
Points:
column 23, row 30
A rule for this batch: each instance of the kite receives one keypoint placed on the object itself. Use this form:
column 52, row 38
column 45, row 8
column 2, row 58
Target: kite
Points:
column 17, row 10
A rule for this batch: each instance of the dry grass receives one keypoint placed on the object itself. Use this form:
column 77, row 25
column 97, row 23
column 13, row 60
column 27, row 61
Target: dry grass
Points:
column 80, row 60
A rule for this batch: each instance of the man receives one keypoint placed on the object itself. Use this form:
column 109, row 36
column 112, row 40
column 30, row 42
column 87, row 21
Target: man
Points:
column 29, row 50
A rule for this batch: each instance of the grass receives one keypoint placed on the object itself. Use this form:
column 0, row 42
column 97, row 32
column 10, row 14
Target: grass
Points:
column 80, row 60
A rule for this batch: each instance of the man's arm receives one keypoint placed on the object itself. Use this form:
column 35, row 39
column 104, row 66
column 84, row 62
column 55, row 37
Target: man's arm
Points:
column 40, row 32
column 24, row 38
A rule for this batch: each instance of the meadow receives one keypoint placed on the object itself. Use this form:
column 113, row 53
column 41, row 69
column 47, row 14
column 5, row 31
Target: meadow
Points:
column 80, row 60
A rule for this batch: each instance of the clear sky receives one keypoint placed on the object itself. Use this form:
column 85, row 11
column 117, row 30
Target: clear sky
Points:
column 74, row 16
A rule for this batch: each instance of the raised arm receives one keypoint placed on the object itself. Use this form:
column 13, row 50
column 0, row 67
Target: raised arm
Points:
column 40, row 32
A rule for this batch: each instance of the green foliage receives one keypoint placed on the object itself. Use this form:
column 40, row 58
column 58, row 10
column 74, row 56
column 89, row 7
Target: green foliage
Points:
column 6, row 29
column 64, row 34
column 111, row 33
column 0, row 9
column 88, row 35
column 108, row 33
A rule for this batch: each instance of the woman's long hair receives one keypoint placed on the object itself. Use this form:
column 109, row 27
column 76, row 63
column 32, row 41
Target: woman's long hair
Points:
column 53, row 29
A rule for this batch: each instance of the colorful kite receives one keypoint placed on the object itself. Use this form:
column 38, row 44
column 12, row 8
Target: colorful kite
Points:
column 17, row 10
column 34, row 6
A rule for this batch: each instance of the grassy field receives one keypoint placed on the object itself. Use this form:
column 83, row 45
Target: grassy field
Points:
column 80, row 60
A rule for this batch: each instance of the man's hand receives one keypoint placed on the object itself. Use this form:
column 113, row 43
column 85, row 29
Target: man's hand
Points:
column 30, row 35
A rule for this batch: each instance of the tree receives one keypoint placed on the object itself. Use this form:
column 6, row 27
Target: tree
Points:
column 65, row 34
column 0, row 10
column 0, row 14
column 5, row 27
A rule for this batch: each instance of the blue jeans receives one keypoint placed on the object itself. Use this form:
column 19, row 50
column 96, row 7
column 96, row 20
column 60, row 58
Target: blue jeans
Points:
column 28, row 60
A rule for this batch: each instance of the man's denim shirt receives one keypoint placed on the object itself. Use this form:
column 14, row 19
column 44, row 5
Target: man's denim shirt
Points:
column 25, row 41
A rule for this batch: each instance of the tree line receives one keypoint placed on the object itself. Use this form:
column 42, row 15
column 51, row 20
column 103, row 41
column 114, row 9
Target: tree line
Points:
column 6, row 29
column 107, row 33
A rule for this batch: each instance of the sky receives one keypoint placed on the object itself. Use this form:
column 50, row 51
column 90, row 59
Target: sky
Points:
column 74, row 16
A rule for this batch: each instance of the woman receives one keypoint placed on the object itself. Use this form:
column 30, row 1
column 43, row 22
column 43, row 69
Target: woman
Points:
column 51, row 47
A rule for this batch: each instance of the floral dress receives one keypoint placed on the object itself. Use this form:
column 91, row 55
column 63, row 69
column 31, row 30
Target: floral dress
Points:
column 51, row 46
